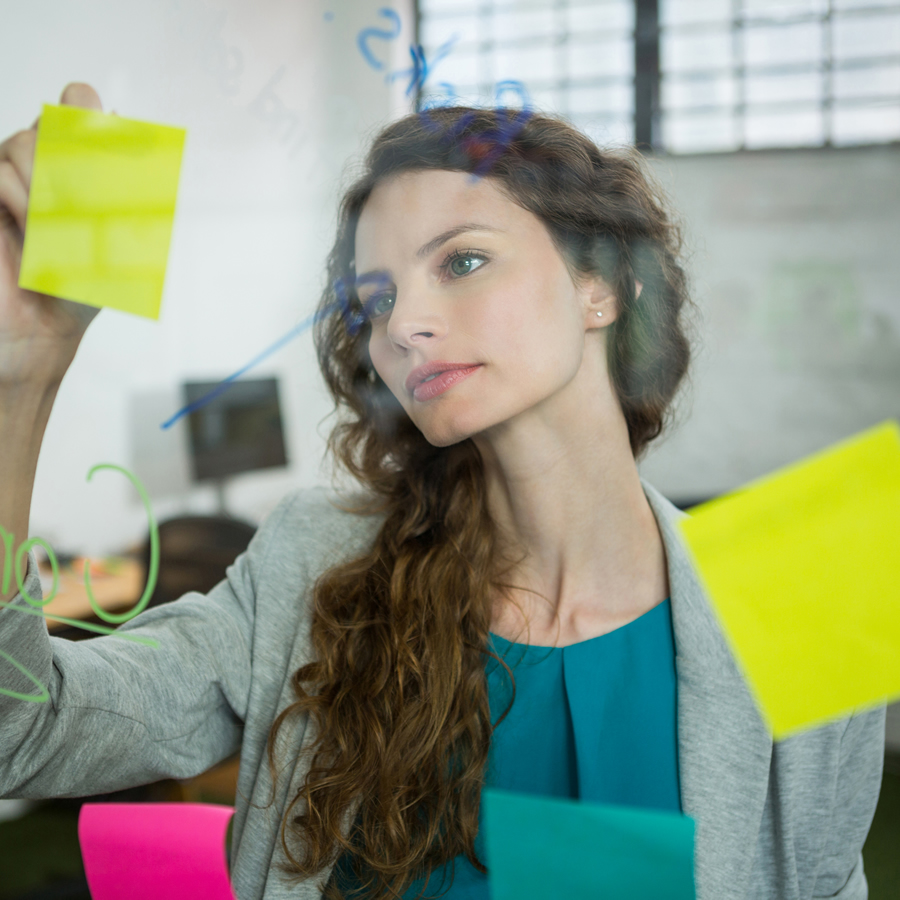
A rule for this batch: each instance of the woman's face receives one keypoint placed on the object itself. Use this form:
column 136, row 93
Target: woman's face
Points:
column 451, row 270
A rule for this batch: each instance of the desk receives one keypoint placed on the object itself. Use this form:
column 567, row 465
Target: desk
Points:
column 115, row 592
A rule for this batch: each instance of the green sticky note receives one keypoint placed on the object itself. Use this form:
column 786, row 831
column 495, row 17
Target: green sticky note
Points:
column 540, row 847
column 803, row 570
column 101, row 208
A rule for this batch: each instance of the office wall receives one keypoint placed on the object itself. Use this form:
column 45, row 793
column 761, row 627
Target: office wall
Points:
column 795, row 271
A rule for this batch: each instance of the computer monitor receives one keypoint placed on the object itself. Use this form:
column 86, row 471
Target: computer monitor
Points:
column 240, row 430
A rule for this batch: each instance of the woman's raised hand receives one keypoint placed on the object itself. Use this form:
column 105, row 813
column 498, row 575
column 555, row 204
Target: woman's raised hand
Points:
column 39, row 334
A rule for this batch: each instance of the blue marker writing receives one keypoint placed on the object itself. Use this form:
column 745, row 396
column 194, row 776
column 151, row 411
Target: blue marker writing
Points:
column 507, row 132
column 38, row 605
column 362, row 39
column 354, row 320
column 226, row 382
column 421, row 68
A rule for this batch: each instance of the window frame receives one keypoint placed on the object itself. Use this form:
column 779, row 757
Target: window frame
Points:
column 650, row 115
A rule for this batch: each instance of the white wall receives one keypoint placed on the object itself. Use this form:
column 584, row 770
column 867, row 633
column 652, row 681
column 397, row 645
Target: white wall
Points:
column 276, row 99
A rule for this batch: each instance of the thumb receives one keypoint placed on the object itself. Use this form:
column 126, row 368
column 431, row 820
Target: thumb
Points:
column 77, row 93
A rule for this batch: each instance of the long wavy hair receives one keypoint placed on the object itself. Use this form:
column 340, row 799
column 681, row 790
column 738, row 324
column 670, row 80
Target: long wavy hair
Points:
column 400, row 634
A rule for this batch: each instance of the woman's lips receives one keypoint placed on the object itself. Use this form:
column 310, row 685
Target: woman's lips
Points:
column 425, row 390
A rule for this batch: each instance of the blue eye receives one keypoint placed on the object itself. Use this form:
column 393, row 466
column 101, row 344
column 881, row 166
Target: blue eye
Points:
column 462, row 262
column 372, row 310
column 461, row 266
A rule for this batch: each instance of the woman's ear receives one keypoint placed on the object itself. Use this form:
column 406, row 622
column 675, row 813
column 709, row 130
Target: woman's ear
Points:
column 601, row 298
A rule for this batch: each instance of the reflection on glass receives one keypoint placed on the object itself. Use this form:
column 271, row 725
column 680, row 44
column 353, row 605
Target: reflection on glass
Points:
column 796, row 127
column 783, row 88
column 775, row 10
column 682, row 51
column 700, row 131
column 861, row 36
column 779, row 44
column 865, row 125
column 682, row 12
column 613, row 15
column 511, row 25
column 681, row 93
column 875, row 81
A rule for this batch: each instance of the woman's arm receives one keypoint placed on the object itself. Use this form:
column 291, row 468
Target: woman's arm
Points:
column 122, row 713
column 39, row 336
column 94, row 716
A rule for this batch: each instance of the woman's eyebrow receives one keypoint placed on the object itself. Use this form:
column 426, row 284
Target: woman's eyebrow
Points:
column 423, row 251
column 374, row 277
column 445, row 236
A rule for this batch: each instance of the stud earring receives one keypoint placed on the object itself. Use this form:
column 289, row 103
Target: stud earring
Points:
column 599, row 313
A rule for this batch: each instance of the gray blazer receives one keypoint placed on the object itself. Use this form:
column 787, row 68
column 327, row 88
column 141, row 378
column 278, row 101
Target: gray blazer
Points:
column 774, row 822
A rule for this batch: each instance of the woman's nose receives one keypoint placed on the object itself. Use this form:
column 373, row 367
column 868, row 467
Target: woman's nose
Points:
column 415, row 319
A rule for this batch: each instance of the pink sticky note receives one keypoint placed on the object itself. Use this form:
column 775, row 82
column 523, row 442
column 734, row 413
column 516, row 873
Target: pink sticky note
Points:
column 145, row 851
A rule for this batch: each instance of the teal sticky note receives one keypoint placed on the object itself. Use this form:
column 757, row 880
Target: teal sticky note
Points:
column 543, row 848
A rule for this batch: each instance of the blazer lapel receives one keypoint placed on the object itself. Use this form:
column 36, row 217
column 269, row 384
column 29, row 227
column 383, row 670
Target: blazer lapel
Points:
column 724, row 746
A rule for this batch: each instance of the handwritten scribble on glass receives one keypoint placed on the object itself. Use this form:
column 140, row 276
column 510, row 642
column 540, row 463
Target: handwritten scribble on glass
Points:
column 13, row 565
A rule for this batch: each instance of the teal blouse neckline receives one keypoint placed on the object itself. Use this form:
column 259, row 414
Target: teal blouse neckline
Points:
column 645, row 618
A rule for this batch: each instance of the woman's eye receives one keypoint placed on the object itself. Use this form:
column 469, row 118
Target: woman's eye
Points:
column 462, row 265
column 373, row 305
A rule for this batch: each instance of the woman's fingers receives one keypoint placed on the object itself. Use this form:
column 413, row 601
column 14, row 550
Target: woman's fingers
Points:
column 77, row 93
column 18, row 153
column 81, row 312
column 19, row 149
column 13, row 195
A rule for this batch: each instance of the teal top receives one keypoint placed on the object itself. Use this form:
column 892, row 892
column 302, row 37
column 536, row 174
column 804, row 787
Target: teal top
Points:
column 595, row 721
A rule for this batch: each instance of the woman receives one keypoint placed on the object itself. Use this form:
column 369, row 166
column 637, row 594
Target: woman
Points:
column 356, row 654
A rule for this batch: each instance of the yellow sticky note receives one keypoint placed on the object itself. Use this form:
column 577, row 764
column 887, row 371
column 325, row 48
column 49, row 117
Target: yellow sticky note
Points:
column 803, row 570
column 101, row 208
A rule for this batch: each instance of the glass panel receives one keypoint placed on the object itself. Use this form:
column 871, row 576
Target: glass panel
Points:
column 435, row 32
column 447, row 6
column 605, row 99
column 710, row 49
column 783, row 88
column 524, row 5
column 548, row 100
column 457, row 67
column 680, row 93
column 782, row 44
column 855, row 4
column 590, row 60
column 606, row 131
column 867, row 81
column 680, row 12
column 865, row 124
column 516, row 94
column 535, row 63
column 860, row 36
column 466, row 95
column 615, row 15
column 797, row 128
column 783, row 9
column 699, row 132
column 513, row 25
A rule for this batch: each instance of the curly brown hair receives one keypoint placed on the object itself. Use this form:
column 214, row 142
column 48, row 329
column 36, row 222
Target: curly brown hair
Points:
column 400, row 634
